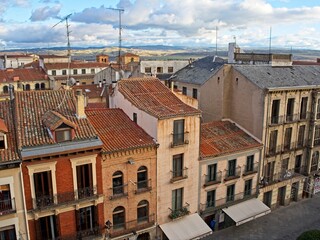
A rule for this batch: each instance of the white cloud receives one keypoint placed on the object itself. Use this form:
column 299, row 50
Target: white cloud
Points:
column 44, row 13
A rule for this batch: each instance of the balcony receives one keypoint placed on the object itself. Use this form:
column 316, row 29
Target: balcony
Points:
column 118, row 192
column 273, row 150
column 232, row 173
column 292, row 118
column 250, row 169
column 89, row 233
column 7, row 206
column 143, row 186
column 177, row 213
column 132, row 226
column 179, row 139
column 43, row 201
column 275, row 120
column 298, row 145
column 303, row 116
column 284, row 175
column 216, row 179
column 179, row 175
column 316, row 142
column 86, row 192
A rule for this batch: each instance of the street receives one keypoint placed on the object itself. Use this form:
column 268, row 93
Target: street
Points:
column 284, row 223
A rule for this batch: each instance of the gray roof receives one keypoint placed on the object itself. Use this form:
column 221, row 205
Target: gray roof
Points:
column 266, row 77
column 199, row 71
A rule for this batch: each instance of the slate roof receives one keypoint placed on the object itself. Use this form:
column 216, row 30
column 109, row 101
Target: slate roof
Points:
column 24, row 74
column 199, row 71
column 117, row 131
column 224, row 137
column 153, row 97
column 11, row 153
column 274, row 77
column 31, row 107
column 74, row 65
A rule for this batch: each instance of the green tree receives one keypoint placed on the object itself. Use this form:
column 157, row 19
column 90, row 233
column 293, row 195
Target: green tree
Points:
column 310, row 235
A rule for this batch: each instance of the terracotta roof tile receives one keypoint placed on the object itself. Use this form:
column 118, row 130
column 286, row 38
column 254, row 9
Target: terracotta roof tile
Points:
column 91, row 90
column 22, row 74
column 11, row 153
column 53, row 120
column 153, row 97
column 3, row 126
column 117, row 131
column 96, row 105
column 223, row 137
column 73, row 65
column 31, row 107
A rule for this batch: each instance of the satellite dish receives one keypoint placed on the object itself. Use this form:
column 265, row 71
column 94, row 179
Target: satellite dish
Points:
column 71, row 81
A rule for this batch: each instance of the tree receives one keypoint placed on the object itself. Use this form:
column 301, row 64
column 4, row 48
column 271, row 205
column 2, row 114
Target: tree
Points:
column 310, row 235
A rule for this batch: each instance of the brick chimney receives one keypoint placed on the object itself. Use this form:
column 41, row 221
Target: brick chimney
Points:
column 80, row 104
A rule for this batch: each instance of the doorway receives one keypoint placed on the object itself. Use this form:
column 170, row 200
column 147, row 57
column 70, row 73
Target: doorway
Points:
column 281, row 196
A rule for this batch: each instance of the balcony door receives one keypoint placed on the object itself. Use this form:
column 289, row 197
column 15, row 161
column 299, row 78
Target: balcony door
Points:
column 43, row 188
column 178, row 132
column 84, row 180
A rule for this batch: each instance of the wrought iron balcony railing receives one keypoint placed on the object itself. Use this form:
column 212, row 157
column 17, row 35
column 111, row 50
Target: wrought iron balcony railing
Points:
column 250, row 169
column 180, row 212
column 232, row 173
column 273, row 150
column 283, row 175
column 42, row 201
column 7, row 206
column 118, row 191
column 179, row 139
column 179, row 174
column 213, row 179
column 86, row 192
column 143, row 186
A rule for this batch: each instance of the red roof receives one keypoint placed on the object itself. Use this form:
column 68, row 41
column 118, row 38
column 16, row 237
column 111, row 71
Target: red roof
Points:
column 53, row 120
column 31, row 107
column 301, row 62
column 224, row 137
column 16, row 56
column 117, row 131
column 74, row 65
column 153, row 97
column 22, row 74
column 96, row 105
column 51, row 56
column 3, row 126
column 90, row 90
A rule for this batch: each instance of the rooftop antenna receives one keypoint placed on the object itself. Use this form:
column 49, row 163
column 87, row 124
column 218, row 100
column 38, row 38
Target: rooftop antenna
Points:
column 216, row 41
column 270, row 41
column 120, row 10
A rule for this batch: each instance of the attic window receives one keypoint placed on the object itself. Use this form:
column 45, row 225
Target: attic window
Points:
column 2, row 142
column 63, row 134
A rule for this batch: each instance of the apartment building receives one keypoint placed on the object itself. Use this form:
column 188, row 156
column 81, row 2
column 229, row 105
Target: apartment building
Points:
column 61, row 166
column 175, row 126
column 229, row 175
column 15, row 60
column 127, row 58
column 12, row 207
column 128, row 175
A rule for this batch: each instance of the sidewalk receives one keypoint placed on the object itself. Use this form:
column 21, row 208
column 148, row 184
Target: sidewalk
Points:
column 284, row 223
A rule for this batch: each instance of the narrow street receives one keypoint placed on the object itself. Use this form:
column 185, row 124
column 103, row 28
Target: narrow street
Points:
column 284, row 223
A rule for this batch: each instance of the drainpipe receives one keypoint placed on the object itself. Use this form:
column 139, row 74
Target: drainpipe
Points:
column 24, row 204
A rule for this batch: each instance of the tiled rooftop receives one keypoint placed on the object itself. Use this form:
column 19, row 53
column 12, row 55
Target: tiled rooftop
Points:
column 153, row 97
column 22, row 74
column 73, row 65
column 96, row 105
column 31, row 107
column 117, row 131
column 9, row 154
column 90, row 90
column 53, row 119
column 224, row 137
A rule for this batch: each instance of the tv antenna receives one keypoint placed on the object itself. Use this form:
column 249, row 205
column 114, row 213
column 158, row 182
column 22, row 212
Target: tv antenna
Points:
column 120, row 10
column 68, row 32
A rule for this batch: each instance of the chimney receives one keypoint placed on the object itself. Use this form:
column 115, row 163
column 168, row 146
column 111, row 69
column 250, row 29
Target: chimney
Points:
column 80, row 104
column 100, row 84
column 11, row 91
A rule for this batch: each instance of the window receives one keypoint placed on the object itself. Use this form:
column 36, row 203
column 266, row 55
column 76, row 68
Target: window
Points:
column 143, row 211
column 284, row 166
column 317, row 135
column 287, row 139
column 230, row 193
column 86, row 218
column 195, row 93
column 6, row 203
column 84, row 181
column 177, row 168
column 290, row 110
column 159, row 70
column 92, row 71
column 2, row 141
column 64, row 72
column 47, row 227
column 301, row 135
column 303, row 108
column 83, row 71
column 5, row 89
column 142, row 177
column 117, row 183
column 211, row 198
column 178, row 132
column 43, row 86
column 231, row 168
column 314, row 161
column 118, row 218
column 177, row 196
column 37, row 86
column 297, row 164
column 247, row 187
column 27, row 87
column 43, row 188
column 147, row 69
column 269, row 168
column 75, row 71
column 212, row 172
column 273, row 142
column 275, row 111
column 63, row 134
column 83, row 83
column 184, row 90
column 250, row 163
column 318, row 109
column 8, row 233
column 170, row 69
column 135, row 117
column 54, row 72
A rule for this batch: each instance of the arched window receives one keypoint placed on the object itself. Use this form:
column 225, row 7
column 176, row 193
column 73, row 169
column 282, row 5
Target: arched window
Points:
column 142, row 177
column 5, row 89
column 118, row 218
column 27, row 87
column 314, row 162
column 143, row 211
column 43, row 86
column 37, row 86
column 117, row 183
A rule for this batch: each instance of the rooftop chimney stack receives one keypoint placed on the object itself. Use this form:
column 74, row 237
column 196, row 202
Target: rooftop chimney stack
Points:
column 11, row 91
column 80, row 104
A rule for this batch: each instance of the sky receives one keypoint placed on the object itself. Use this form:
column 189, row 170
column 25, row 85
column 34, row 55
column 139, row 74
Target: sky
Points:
column 194, row 23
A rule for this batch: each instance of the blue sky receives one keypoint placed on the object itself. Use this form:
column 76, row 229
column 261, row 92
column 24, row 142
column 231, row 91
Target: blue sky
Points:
column 28, row 23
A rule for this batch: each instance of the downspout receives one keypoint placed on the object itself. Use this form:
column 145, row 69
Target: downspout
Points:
column 266, row 130
column 24, row 203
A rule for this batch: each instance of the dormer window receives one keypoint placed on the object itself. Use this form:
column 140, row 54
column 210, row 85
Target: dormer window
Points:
column 2, row 141
column 3, row 131
column 63, row 134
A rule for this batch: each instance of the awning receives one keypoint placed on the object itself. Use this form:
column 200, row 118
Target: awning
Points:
column 186, row 228
column 246, row 211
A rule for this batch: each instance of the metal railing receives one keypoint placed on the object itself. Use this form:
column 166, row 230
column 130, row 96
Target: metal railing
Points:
column 316, row 142
column 7, row 206
column 80, row 234
column 42, row 201
column 180, row 212
column 118, row 191
column 274, row 150
column 250, row 169
column 143, row 186
column 292, row 118
column 273, row 120
column 283, row 175
column 232, row 173
column 179, row 139
column 135, row 225
column 211, row 180
column 86, row 192
column 179, row 174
